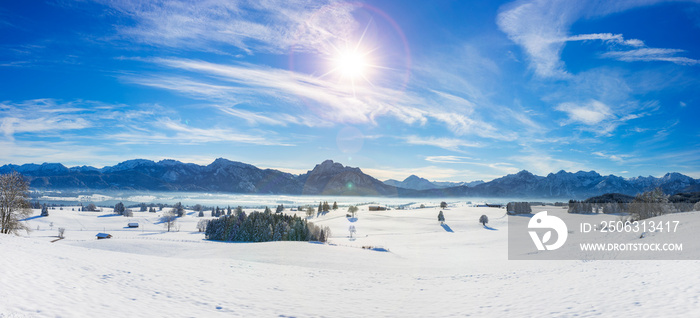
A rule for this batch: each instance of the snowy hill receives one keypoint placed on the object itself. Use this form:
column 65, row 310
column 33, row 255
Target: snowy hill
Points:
column 459, row 269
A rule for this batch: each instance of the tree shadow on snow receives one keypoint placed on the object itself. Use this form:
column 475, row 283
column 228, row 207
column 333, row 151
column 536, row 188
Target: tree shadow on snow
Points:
column 447, row 228
column 490, row 228
column 108, row 215
column 32, row 218
column 527, row 215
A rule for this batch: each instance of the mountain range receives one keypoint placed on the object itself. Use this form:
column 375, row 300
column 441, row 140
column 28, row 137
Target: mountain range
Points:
column 331, row 178
column 417, row 183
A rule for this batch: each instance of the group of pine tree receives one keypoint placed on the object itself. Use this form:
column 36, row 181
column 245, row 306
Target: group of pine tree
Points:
column 263, row 227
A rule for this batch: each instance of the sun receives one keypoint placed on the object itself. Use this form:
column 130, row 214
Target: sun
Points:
column 351, row 64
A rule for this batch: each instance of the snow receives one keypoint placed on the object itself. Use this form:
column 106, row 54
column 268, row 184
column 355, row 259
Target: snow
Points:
column 427, row 271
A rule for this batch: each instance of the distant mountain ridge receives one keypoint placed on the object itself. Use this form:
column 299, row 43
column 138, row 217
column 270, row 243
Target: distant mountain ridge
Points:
column 417, row 183
column 331, row 178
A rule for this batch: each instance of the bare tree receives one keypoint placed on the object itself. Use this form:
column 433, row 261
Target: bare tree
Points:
column 202, row 225
column 310, row 211
column 169, row 218
column 650, row 204
column 352, row 209
column 14, row 203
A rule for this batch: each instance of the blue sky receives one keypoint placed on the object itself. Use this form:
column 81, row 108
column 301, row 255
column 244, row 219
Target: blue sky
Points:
column 447, row 90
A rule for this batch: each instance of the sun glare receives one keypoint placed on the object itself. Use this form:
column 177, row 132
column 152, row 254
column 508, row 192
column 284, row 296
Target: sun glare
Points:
column 351, row 64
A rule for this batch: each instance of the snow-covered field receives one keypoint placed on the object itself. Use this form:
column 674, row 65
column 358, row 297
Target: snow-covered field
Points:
column 460, row 269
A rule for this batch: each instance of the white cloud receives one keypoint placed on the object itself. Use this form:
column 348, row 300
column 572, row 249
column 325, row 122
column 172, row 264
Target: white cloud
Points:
column 590, row 113
column 541, row 27
column 322, row 102
column 447, row 159
column 651, row 54
column 176, row 133
column 453, row 144
column 253, row 26
column 47, row 116
column 617, row 158
column 608, row 37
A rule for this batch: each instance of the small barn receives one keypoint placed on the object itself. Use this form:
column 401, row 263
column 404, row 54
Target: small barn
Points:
column 101, row 236
column 377, row 208
column 133, row 224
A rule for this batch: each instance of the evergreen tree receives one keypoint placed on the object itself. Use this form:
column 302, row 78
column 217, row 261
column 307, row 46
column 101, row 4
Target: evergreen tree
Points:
column 335, row 205
column 119, row 208
column 320, row 207
column 179, row 209
column 484, row 219
column 281, row 231
column 267, row 210
column 44, row 210
column 441, row 218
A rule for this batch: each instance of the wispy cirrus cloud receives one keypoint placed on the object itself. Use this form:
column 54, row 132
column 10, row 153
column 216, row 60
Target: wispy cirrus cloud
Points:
column 650, row 55
column 608, row 37
column 447, row 159
column 99, row 125
column 541, row 28
column 47, row 116
column 613, row 157
column 173, row 132
column 453, row 144
column 303, row 99
column 251, row 26
column 600, row 118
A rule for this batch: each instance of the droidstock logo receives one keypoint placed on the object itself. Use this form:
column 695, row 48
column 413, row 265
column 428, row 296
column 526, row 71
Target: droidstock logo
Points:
column 543, row 221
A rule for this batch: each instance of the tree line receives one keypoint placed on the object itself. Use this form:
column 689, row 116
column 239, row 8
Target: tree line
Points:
column 263, row 227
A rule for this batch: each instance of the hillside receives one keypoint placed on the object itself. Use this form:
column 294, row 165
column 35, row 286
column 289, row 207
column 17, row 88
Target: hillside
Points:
column 459, row 269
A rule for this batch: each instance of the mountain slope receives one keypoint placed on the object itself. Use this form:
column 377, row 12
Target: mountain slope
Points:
column 331, row 178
